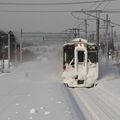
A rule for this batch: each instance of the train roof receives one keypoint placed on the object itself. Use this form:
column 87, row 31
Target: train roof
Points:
column 78, row 40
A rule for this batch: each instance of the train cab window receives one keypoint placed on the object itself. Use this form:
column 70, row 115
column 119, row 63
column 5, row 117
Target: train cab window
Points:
column 92, row 53
column 69, row 54
column 92, row 56
column 81, row 56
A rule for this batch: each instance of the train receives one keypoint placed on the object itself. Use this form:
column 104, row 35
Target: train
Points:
column 80, row 63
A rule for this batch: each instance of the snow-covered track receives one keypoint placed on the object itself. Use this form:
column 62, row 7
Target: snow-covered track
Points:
column 100, row 103
column 75, row 103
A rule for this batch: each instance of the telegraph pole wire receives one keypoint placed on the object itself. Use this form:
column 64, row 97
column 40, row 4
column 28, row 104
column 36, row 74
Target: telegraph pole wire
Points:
column 51, row 4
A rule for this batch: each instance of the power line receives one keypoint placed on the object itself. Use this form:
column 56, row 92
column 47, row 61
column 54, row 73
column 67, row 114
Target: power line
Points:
column 107, row 5
column 62, row 11
column 62, row 3
column 33, row 11
column 94, row 9
column 99, row 11
column 99, row 5
column 100, row 18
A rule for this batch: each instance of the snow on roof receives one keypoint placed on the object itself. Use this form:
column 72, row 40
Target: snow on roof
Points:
column 73, row 41
column 79, row 40
column 76, row 40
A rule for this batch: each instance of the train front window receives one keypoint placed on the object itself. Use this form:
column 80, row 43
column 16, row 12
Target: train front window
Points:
column 92, row 56
column 81, row 56
column 68, row 54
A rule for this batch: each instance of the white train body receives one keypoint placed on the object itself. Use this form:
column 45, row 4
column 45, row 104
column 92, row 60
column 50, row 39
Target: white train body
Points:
column 80, row 63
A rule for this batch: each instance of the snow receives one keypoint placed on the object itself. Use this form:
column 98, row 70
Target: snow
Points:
column 47, row 112
column 102, row 101
column 5, row 65
column 34, row 90
column 41, row 108
column 32, row 111
column 17, row 104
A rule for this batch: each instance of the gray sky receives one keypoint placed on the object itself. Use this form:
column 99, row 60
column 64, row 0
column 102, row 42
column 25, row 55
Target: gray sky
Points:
column 48, row 22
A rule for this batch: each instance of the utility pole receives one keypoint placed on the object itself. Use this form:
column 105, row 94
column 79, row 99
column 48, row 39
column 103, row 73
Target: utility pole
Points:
column 106, row 39
column 21, row 46
column 15, row 53
column 85, row 29
column 97, row 33
column 112, row 40
column 98, row 36
column 97, row 30
column 9, row 49
column 79, row 31
column 75, row 31
column 3, row 54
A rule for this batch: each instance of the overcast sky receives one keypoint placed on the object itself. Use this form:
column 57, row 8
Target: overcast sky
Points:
column 48, row 22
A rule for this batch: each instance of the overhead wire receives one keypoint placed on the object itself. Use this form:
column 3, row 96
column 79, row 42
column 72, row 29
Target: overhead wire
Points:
column 55, row 3
column 34, row 11
column 54, row 11
column 62, row 11
column 99, row 5
column 88, row 16
column 106, row 5
column 99, row 18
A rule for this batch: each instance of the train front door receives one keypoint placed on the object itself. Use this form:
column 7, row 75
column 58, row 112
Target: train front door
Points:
column 81, row 64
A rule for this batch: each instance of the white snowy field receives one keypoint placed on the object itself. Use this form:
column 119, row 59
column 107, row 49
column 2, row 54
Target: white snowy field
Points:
column 34, row 91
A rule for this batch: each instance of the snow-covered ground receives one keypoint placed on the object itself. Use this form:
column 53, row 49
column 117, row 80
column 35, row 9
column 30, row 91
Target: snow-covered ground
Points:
column 34, row 91
column 103, row 100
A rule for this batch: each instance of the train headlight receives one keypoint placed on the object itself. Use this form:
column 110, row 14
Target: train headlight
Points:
column 80, row 45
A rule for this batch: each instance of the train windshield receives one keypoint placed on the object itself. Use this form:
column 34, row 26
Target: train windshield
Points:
column 92, row 56
column 68, row 54
column 80, row 56
column 92, row 53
